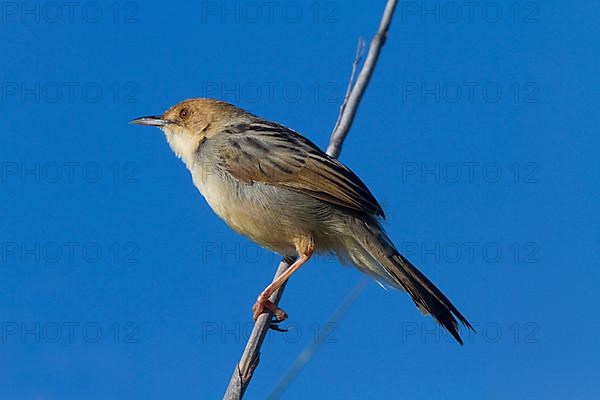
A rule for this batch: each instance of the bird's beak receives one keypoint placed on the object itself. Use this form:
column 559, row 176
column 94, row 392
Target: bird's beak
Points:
column 151, row 121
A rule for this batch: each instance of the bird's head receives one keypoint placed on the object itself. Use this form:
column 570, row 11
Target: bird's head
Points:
column 188, row 124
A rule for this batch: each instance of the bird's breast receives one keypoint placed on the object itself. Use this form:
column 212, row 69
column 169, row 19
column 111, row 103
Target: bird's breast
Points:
column 246, row 208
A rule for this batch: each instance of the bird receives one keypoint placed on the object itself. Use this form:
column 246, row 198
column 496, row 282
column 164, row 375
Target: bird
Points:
column 280, row 190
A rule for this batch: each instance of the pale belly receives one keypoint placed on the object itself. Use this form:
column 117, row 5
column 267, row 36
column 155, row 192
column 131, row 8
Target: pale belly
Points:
column 250, row 211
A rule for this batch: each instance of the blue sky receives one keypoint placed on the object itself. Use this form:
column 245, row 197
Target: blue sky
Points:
column 478, row 135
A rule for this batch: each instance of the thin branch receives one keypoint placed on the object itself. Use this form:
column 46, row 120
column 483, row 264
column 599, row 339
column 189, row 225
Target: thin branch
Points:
column 360, row 49
column 245, row 368
column 309, row 351
column 346, row 119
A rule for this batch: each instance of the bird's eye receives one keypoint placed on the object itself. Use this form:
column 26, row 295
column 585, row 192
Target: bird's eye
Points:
column 183, row 113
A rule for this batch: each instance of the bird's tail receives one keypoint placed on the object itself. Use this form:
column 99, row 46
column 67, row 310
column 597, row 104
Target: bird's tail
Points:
column 373, row 252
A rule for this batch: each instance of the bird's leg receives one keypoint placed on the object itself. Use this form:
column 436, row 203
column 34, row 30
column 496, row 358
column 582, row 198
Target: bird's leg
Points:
column 263, row 303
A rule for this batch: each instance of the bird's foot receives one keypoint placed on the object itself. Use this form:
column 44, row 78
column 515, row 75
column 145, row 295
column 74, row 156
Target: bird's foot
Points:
column 263, row 304
column 275, row 326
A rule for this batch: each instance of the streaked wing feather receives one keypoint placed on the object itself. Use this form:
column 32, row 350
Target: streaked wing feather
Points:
column 269, row 153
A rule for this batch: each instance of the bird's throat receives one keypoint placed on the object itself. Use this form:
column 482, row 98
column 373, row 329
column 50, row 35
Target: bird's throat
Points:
column 183, row 145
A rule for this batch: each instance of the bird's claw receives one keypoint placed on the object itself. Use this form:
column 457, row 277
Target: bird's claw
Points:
column 263, row 305
column 275, row 326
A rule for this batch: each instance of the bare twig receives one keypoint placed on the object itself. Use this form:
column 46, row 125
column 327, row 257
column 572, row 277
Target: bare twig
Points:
column 249, row 361
column 310, row 350
column 245, row 368
column 349, row 111
column 360, row 49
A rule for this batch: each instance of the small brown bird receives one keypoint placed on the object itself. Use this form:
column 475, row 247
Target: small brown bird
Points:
column 277, row 188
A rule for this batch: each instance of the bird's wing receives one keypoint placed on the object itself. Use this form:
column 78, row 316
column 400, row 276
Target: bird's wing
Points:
column 272, row 154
